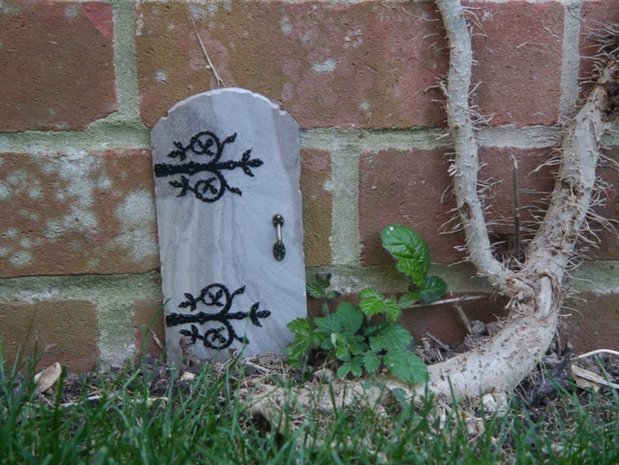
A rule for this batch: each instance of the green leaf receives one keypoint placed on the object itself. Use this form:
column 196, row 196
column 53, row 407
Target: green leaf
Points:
column 409, row 250
column 433, row 289
column 318, row 287
column 352, row 317
column 331, row 323
column 408, row 300
column 406, row 365
column 302, row 342
column 391, row 336
column 354, row 366
column 342, row 352
column 373, row 303
column 358, row 345
column 371, row 361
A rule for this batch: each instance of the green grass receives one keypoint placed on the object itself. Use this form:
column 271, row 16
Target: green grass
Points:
column 140, row 417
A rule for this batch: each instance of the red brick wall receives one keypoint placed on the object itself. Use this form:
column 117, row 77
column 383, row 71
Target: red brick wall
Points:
column 82, row 83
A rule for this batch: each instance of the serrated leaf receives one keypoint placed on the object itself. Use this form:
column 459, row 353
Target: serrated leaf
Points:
column 352, row 317
column 408, row 300
column 406, row 365
column 315, row 290
column 356, row 366
column 373, row 303
column 318, row 287
column 332, row 323
column 409, row 250
column 433, row 289
column 371, row 361
column 343, row 370
column 392, row 336
column 302, row 342
column 342, row 352
column 358, row 345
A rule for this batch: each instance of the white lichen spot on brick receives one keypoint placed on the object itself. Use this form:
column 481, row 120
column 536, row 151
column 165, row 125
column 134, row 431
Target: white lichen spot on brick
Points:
column 197, row 12
column 21, row 259
column 5, row 250
column 327, row 66
column 104, row 183
column 71, row 11
column 171, row 26
column 364, row 106
column 10, row 233
column 5, row 192
column 136, row 212
column 285, row 26
column 328, row 185
column 17, row 178
column 25, row 243
column 76, row 168
column 161, row 76
column 34, row 191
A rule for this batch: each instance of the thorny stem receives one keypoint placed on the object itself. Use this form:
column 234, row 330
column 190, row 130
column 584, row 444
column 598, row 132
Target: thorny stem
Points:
column 466, row 164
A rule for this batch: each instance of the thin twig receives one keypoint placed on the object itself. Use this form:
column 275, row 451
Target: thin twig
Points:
column 464, row 318
column 210, row 65
column 452, row 300
column 598, row 351
column 516, row 193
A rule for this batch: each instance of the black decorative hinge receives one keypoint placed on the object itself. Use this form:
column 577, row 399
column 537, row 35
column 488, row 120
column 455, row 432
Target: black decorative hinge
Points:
column 214, row 185
column 221, row 337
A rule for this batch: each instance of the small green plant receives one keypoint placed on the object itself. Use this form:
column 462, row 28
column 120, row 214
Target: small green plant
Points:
column 350, row 337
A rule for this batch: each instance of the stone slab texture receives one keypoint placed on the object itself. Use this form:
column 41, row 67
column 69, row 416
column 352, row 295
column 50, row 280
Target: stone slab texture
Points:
column 77, row 212
column 60, row 74
column 62, row 331
column 226, row 163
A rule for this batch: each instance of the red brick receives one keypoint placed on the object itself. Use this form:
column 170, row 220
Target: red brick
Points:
column 607, row 236
column 63, row 331
column 78, row 212
column 317, row 206
column 362, row 64
column 595, row 16
column 148, row 319
column 594, row 323
column 56, row 64
column 518, row 48
column 398, row 187
column 442, row 321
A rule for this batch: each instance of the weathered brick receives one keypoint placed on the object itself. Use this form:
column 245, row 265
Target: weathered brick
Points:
column 56, row 64
column 77, row 212
column 399, row 187
column 518, row 49
column 366, row 64
column 148, row 322
column 317, row 206
column 594, row 323
column 63, row 331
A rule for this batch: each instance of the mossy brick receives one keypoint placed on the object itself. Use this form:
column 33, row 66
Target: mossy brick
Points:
column 77, row 212
column 56, row 64
column 412, row 188
column 517, row 46
column 364, row 64
column 149, row 327
column 592, row 322
column 317, row 206
column 63, row 331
